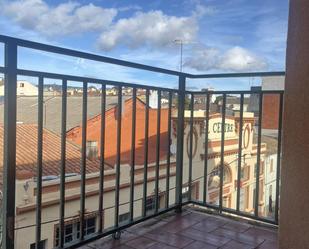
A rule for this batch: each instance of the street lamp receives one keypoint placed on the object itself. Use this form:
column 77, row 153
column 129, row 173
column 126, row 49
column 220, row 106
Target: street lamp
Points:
column 180, row 42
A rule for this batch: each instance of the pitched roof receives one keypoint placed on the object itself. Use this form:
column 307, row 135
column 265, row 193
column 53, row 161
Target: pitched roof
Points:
column 94, row 126
column 26, row 153
column 27, row 110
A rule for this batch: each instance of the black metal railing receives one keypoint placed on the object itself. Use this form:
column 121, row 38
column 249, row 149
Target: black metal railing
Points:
column 11, row 71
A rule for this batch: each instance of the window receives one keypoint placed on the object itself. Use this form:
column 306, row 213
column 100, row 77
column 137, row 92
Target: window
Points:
column 270, row 200
column 72, row 230
column 42, row 245
column 185, row 193
column 150, row 204
column 261, row 169
column 242, row 198
column 271, row 165
column 214, row 177
column 124, row 217
column 270, row 190
column 91, row 149
column 21, row 84
column 244, row 173
column 89, row 226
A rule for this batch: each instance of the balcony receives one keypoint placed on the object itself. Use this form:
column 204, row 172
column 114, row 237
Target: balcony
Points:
column 192, row 229
column 151, row 166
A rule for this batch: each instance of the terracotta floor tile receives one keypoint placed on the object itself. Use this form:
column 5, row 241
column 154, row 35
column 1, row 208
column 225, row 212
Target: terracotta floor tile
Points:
column 169, row 238
column 237, row 236
column 200, row 245
column 204, row 237
column 121, row 247
column 196, row 216
column 237, row 226
column 269, row 245
column 208, row 225
column 109, row 242
column 179, row 225
column 161, row 246
column 141, row 243
column 236, row 245
column 267, row 234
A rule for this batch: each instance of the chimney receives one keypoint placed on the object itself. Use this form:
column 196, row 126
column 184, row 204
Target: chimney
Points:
column 91, row 150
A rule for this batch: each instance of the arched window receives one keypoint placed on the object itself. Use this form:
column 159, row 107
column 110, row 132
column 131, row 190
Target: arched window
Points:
column 214, row 176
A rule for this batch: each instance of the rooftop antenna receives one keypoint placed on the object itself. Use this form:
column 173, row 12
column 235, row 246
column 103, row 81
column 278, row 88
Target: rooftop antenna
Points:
column 181, row 43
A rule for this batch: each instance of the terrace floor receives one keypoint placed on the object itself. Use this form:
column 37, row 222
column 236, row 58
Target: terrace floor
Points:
column 191, row 230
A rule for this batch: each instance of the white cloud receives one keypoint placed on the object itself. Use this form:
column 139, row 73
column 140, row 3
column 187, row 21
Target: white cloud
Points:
column 236, row 59
column 133, row 7
column 240, row 59
column 153, row 28
column 65, row 18
column 202, row 10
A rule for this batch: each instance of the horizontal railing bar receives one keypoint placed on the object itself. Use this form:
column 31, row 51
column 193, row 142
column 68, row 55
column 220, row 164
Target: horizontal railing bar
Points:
column 116, row 229
column 234, row 212
column 237, row 92
column 89, row 80
column 85, row 55
column 32, row 73
column 236, row 75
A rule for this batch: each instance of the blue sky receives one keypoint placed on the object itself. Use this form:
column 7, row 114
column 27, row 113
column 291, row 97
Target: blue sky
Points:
column 219, row 36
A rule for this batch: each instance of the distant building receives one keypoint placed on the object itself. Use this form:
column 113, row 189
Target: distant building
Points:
column 253, row 105
column 270, row 115
column 233, row 103
column 111, row 91
column 24, row 88
column 270, row 184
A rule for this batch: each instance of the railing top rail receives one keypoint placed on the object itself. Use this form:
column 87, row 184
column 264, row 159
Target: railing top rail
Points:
column 237, row 92
column 91, row 80
column 236, row 75
column 85, row 55
column 109, row 60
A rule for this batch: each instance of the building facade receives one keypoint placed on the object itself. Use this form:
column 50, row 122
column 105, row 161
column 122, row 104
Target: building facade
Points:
column 24, row 88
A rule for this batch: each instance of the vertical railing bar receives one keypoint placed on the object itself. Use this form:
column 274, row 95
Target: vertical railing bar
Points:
column 133, row 154
column 158, row 151
column 222, row 152
column 83, row 163
column 240, row 129
column 168, row 160
column 206, row 148
column 278, row 158
column 258, row 160
column 102, row 159
column 9, row 150
column 146, row 153
column 191, row 146
column 39, row 163
column 118, row 155
column 63, row 161
column 180, row 140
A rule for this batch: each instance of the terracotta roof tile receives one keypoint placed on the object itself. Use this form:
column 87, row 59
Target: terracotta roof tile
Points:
column 26, row 153
column 94, row 126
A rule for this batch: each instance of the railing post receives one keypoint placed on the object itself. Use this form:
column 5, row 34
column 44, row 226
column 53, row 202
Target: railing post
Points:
column 180, row 135
column 9, row 153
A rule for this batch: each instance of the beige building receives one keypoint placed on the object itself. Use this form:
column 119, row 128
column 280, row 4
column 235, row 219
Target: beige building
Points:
column 24, row 88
